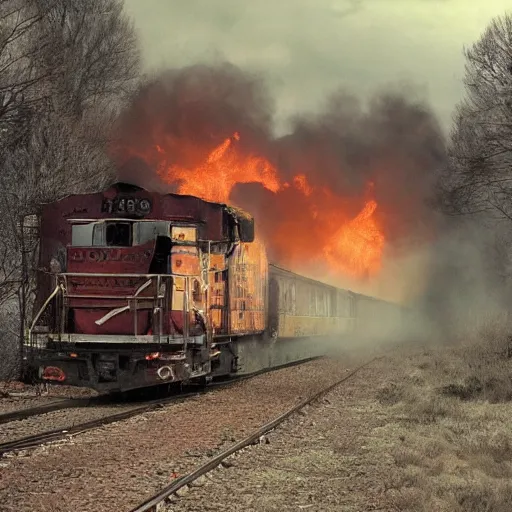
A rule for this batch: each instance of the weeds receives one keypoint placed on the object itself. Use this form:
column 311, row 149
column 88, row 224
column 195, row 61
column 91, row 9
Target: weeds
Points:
column 484, row 496
column 455, row 449
column 430, row 408
column 406, row 457
column 390, row 394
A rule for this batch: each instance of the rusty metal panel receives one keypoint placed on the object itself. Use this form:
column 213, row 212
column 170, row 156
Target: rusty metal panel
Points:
column 184, row 233
column 185, row 260
column 308, row 326
column 217, row 290
column 248, row 277
column 217, row 300
column 307, row 308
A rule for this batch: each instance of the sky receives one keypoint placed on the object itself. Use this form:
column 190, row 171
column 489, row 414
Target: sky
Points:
column 307, row 48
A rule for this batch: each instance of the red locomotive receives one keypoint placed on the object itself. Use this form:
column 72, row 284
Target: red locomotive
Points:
column 138, row 289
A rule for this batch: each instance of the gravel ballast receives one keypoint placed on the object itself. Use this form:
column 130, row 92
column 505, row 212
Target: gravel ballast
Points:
column 56, row 420
column 325, row 457
column 16, row 396
column 119, row 465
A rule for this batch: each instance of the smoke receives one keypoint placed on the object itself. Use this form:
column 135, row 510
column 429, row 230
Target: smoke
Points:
column 389, row 149
column 192, row 107
column 348, row 154
column 468, row 283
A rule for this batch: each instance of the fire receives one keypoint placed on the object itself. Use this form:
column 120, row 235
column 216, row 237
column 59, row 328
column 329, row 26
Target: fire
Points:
column 301, row 182
column 359, row 242
column 305, row 225
column 214, row 179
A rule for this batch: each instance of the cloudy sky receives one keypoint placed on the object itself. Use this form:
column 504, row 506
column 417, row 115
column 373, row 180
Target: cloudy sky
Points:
column 306, row 48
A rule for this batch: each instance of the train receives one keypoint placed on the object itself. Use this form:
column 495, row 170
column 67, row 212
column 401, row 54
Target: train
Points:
column 137, row 289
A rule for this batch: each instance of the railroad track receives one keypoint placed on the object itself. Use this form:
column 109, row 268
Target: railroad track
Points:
column 156, row 501
column 61, row 433
column 54, row 435
column 57, row 405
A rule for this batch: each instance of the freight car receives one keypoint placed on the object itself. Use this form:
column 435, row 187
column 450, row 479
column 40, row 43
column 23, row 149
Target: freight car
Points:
column 137, row 289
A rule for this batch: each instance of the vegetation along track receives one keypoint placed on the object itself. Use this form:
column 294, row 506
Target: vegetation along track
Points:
column 154, row 503
column 60, row 433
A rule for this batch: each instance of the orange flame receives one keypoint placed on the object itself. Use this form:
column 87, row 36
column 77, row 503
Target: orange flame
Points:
column 351, row 245
column 359, row 242
column 214, row 179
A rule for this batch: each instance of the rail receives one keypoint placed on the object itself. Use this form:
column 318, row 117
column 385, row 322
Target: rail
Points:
column 57, row 405
column 154, row 502
column 40, row 438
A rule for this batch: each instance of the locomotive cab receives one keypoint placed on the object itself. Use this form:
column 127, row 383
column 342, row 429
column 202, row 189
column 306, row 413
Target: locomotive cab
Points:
column 165, row 249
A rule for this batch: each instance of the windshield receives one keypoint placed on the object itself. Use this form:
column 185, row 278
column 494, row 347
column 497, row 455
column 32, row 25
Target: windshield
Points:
column 118, row 233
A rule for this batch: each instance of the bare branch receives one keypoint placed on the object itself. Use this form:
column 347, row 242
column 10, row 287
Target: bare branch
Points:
column 66, row 68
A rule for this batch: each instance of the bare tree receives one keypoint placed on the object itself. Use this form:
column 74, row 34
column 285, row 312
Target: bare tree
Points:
column 479, row 178
column 66, row 68
column 475, row 188
column 88, row 47
column 71, row 64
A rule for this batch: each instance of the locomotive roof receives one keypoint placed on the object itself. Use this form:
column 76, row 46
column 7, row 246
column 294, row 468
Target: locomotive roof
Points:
column 131, row 202
column 124, row 188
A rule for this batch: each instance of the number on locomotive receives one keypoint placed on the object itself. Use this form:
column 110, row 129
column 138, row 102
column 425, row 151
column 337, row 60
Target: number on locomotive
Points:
column 130, row 205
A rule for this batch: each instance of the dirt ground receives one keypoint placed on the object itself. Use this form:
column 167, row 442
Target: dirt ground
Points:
column 425, row 430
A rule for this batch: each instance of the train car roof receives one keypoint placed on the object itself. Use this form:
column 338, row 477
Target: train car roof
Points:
column 325, row 285
column 304, row 278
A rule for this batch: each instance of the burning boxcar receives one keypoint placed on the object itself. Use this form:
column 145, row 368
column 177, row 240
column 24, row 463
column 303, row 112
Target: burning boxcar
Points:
column 137, row 289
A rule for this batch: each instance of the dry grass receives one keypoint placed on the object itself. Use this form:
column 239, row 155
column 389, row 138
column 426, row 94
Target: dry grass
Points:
column 481, row 367
column 452, row 412
column 390, row 394
column 483, row 495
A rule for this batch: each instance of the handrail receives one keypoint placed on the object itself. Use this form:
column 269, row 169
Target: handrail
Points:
column 160, row 301
column 111, row 314
column 43, row 307
column 147, row 276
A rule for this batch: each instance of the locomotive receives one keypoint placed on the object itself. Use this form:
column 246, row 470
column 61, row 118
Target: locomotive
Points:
column 137, row 289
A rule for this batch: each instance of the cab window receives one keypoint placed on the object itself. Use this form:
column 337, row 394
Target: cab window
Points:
column 118, row 234
column 147, row 231
column 112, row 234
column 81, row 235
column 102, row 234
